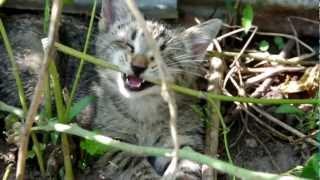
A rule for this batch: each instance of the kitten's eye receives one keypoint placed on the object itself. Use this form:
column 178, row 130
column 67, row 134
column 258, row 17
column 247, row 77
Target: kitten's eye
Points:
column 151, row 58
column 130, row 47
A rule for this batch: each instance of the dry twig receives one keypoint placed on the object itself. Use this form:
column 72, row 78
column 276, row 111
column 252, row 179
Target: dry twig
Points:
column 215, row 78
column 271, row 72
column 285, row 126
column 39, row 89
column 166, row 94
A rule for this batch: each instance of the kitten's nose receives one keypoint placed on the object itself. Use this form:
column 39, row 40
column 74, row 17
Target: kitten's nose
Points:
column 139, row 64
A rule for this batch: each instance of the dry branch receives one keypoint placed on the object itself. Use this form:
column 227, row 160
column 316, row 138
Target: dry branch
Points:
column 285, row 126
column 25, row 132
column 166, row 94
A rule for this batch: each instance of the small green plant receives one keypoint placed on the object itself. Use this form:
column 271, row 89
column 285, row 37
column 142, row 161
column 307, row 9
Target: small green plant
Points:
column 79, row 106
column 68, row 2
column 279, row 42
column 311, row 169
column 2, row 2
column 230, row 6
column 247, row 18
column 93, row 148
column 264, row 45
column 307, row 120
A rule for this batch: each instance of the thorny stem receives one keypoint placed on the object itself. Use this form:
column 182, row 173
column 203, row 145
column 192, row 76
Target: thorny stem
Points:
column 21, row 94
column 187, row 91
column 164, row 75
column 24, row 137
column 152, row 151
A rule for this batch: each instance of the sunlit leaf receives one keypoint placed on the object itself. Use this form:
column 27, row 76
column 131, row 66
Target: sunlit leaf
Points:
column 93, row 147
column 2, row 2
column 308, row 82
column 68, row 2
column 247, row 18
column 312, row 167
column 288, row 109
column 264, row 45
column 31, row 154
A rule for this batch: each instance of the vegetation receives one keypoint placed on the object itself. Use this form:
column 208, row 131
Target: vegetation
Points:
column 57, row 128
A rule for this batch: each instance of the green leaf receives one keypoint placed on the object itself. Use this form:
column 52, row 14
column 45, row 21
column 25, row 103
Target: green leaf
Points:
column 289, row 109
column 54, row 137
column 229, row 4
column 264, row 45
column 2, row 2
column 68, row 2
column 93, row 147
column 31, row 154
column 82, row 164
column 79, row 106
column 247, row 18
column 279, row 42
column 312, row 168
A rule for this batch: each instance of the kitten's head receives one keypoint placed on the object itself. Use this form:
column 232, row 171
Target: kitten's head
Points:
column 122, row 42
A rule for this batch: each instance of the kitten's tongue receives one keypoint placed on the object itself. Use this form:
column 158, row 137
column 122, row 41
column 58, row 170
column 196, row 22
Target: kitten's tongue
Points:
column 134, row 81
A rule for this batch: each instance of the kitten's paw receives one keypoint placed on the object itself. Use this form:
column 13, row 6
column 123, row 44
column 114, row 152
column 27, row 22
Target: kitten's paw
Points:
column 184, row 176
column 188, row 170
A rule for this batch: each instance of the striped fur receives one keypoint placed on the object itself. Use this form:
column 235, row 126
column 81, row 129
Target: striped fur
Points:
column 141, row 117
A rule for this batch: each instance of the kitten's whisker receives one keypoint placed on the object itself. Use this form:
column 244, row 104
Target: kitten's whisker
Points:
column 190, row 73
column 174, row 70
column 188, row 68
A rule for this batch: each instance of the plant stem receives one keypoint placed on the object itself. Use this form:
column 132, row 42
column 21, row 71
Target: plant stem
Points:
column 7, row 172
column 187, row 91
column 61, row 118
column 72, row 52
column 30, row 116
column 46, row 20
column 21, row 94
column 152, row 151
column 78, row 75
column 11, row 109
column 15, row 71
column 38, row 153
column 225, row 130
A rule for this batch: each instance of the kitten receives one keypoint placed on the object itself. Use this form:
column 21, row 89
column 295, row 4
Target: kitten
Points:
column 129, row 108
column 24, row 33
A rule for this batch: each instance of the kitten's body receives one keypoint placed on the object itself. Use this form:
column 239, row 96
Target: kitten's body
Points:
column 128, row 108
column 138, row 115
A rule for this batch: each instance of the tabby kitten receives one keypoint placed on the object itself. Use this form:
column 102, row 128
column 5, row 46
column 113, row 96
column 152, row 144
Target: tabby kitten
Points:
column 129, row 108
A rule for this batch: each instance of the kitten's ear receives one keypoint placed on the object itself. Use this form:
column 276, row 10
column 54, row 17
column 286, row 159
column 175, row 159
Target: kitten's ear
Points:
column 112, row 11
column 198, row 38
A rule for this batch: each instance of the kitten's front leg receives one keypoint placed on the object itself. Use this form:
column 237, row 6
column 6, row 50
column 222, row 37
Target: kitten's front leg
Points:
column 119, row 165
column 186, row 169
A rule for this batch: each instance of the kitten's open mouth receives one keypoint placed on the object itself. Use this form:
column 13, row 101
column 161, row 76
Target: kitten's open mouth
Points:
column 135, row 83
